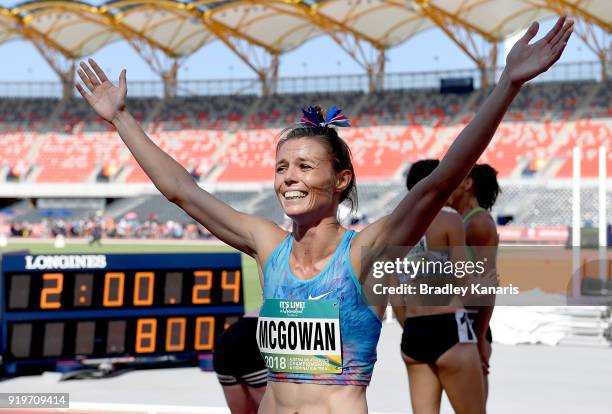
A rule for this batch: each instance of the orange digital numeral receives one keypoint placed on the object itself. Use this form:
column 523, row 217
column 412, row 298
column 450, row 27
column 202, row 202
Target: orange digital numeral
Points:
column 172, row 345
column 205, row 332
column 235, row 285
column 146, row 329
column 113, row 286
column 148, row 277
column 201, row 287
column 55, row 289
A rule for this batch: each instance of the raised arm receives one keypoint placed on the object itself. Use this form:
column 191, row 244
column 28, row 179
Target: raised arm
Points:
column 410, row 219
column 244, row 232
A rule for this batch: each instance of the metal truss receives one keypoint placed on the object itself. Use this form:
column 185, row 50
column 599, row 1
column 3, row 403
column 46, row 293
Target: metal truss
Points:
column 365, row 54
column 478, row 45
column 586, row 27
column 166, row 66
column 62, row 64
column 364, row 50
column 61, row 61
column 261, row 59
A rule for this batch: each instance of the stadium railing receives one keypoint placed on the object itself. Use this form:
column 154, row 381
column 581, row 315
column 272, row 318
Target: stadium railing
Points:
column 300, row 84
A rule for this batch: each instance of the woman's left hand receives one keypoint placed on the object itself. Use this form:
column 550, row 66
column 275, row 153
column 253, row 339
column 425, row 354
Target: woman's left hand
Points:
column 525, row 61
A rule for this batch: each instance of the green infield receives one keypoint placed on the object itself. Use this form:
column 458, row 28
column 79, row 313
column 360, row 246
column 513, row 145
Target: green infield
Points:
column 252, row 289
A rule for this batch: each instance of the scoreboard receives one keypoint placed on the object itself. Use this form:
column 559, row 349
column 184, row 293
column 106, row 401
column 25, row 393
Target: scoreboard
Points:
column 90, row 306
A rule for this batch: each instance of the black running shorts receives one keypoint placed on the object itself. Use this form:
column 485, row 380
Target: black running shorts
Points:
column 237, row 359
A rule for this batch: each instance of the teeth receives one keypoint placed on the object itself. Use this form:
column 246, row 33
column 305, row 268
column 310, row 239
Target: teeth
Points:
column 295, row 194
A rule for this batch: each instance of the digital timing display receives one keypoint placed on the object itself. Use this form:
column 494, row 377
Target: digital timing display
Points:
column 91, row 306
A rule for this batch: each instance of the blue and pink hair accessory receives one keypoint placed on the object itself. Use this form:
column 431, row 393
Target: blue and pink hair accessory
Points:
column 313, row 118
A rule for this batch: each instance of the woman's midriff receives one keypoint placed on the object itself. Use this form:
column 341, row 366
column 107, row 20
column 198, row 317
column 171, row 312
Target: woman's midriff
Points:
column 293, row 398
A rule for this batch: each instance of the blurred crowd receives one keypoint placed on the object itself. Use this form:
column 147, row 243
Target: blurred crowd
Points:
column 99, row 226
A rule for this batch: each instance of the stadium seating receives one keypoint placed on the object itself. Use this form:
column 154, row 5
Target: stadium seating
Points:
column 279, row 111
column 232, row 139
column 250, row 157
column 420, row 107
column 15, row 148
column 589, row 135
column 75, row 158
column 77, row 116
column 600, row 107
column 211, row 112
column 550, row 100
column 25, row 114
column 191, row 148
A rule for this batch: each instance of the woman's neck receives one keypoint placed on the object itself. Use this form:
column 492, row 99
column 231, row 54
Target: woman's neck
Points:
column 316, row 240
column 468, row 205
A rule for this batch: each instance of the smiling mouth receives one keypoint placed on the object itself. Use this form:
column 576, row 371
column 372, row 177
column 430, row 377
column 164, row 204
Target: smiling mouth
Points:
column 295, row 195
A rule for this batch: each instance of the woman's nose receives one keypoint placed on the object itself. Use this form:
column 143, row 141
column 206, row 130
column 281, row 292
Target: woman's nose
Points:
column 290, row 175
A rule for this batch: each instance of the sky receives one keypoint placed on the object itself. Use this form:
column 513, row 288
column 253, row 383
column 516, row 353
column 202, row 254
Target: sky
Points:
column 427, row 51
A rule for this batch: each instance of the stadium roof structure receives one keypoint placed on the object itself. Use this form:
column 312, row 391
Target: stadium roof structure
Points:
column 9, row 28
column 166, row 32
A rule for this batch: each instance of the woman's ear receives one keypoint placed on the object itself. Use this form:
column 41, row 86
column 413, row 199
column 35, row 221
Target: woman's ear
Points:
column 343, row 180
column 468, row 183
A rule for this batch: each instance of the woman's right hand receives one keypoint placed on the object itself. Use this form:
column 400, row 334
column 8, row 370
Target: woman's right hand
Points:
column 106, row 99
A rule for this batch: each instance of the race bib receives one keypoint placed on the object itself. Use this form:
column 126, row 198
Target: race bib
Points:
column 300, row 336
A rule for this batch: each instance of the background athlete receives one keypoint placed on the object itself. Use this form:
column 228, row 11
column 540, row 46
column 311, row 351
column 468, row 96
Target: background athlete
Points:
column 438, row 344
column 473, row 199
column 311, row 180
column 240, row 369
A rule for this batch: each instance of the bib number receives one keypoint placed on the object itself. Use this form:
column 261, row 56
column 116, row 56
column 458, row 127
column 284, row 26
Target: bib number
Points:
column 300, row 336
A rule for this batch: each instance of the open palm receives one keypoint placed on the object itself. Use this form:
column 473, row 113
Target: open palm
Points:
column 105, row 98
column 525, row 61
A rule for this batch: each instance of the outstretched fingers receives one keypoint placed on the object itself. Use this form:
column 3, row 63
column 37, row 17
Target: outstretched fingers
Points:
column 123, row 82
column 562, row 33
column 93, row 79
column 82, row 91
column 86, row 80
column 560, row 45
column 555, row 30
column 531, row 32
column 98, row 70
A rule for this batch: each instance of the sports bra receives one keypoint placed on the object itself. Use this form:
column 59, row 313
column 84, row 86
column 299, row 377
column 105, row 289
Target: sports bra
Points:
column 470, row 253
column 472, row 213
column 337, row 283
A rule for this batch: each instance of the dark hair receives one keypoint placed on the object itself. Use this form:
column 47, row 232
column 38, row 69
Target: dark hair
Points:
column 486, row 188
column 338, row 148
column 420, row 170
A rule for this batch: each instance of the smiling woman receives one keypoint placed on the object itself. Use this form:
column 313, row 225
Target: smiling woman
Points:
column 310, row 273
column 320, row 155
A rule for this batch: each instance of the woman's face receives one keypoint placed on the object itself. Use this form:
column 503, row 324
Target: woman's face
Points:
column 305, row 181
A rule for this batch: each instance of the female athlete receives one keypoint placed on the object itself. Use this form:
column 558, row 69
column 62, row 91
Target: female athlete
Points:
column 438, row 343
column 309, row 275
column 473, row 199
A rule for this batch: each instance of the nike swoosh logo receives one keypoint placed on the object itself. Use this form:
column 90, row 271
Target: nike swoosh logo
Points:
column 310, row 297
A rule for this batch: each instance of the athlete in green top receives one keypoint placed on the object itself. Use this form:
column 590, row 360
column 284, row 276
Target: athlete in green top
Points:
column 473, row 199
